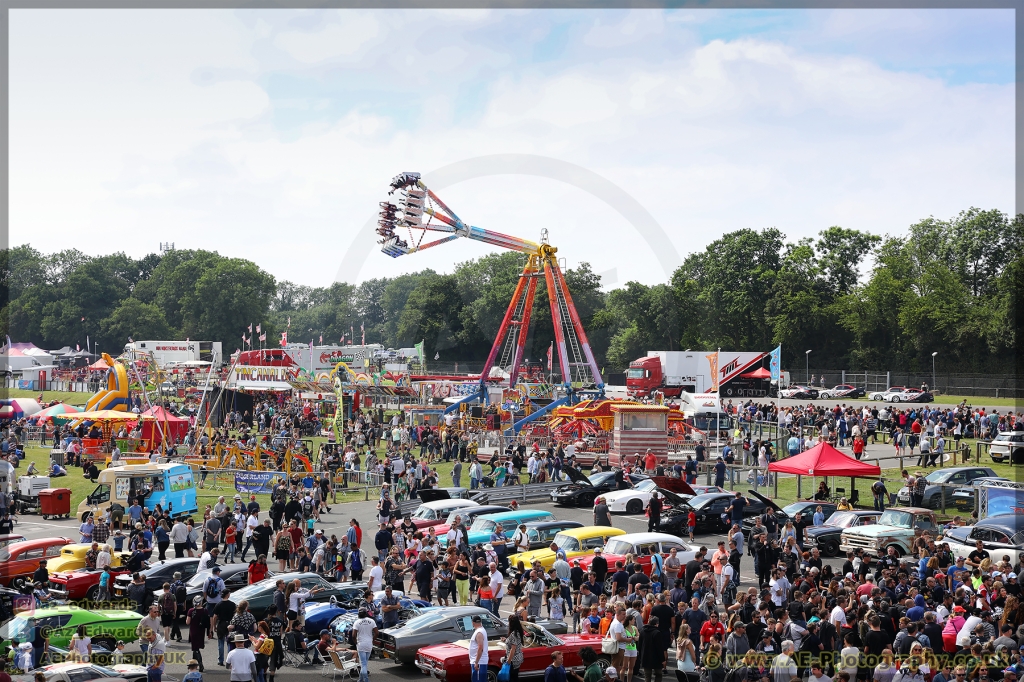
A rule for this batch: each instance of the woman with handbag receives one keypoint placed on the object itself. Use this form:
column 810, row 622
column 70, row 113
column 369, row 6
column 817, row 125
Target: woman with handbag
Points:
column 513, row 649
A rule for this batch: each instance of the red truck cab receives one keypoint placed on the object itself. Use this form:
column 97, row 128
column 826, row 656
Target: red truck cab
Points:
column 644, row 376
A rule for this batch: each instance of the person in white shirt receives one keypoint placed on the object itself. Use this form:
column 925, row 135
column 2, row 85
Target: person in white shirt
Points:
column 376, row 580
column 779, row 587
column 838, row 615
column 365, row 629
column 497, row 588
column 963, row 637
column 478, row 651
column 242, row 661
column 179, row 538
column 208, row 559
column 103, row 558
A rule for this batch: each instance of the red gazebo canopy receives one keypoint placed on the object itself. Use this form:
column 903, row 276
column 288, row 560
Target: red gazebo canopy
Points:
column 759, row 373
column 825, row 460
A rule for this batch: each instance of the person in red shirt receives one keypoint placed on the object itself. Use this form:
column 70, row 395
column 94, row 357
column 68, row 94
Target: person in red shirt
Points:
column 712, row 630
column 650, row 461
column 691, row 523
column 858, row 447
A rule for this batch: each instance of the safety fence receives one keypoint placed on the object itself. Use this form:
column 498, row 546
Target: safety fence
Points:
column 948, row 383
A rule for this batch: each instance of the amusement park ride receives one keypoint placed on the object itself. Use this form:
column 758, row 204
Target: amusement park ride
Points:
column 419, row 211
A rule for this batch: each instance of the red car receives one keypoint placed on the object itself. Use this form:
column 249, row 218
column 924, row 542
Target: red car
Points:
column 82, row 583
column 19, row 560
column 450, row 661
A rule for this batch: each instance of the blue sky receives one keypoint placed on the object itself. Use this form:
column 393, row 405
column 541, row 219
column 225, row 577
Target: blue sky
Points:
column 272, row 134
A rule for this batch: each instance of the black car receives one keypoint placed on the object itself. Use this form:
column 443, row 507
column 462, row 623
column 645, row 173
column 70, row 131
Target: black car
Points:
column 235, row 577
column 789, row 512
column 156, row 574
column 826, row 538
column 445, row 624
column 843, row 391
column 708, row 509
column 584, row 489
column 261, row 595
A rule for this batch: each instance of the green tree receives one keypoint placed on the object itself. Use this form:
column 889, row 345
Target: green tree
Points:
column 134, row 319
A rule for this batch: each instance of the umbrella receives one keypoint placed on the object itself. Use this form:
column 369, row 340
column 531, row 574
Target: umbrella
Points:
column 577, row 428
column 54, row 410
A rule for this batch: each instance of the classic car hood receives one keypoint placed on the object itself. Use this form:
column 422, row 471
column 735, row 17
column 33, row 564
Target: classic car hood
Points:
column 813, row 531
column 673, row 485
column 874, row 530
column 458, row 648
column 529, row 557
column 432, row 494
column 576, row 476
column 764, row 499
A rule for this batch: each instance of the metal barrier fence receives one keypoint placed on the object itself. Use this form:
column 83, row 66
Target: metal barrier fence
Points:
column 534, row 492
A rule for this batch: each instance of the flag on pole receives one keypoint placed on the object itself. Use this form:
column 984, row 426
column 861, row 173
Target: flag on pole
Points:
column 263, row 336
column 551, row 349
column 419, row 351
column 243, row 338
column 87, row 343
column 775, row 364
column 362, row 330
column 713, row 361
column 284, row 339
column 321, row 339
column 289, row 321
column 352, row 336
column 437, row 356
column 78, row 347
column 250, row 327
column 257, row 329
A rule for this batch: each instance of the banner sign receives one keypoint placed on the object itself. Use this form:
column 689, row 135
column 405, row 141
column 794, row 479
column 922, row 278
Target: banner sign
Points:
column 257, row 481
column 995, row 501
column 262, row 373
column 775, row 364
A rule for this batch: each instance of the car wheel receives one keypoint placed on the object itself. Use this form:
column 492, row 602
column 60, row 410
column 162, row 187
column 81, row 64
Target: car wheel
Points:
column 634, row 507
column 18, row 583
column 106, row 642
column 492, row 674
column 603, row 660
column 93, row 593
column 894, row 399
column 831, row 548
column 585, row 499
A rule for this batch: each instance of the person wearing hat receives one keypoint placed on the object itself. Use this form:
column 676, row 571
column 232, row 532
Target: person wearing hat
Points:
column 478, row 652
column 193, row 674
column 241, row 661
column 365, row 629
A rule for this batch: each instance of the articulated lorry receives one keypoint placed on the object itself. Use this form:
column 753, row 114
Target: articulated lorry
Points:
column 674, row 372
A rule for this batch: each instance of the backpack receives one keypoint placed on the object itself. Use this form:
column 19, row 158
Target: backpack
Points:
column 180, row 593
column 267, row 647
column 211, row 590
column 168, row 605
column 307, row 508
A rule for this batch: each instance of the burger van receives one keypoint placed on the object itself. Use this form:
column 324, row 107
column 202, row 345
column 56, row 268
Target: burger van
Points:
column 170, row 485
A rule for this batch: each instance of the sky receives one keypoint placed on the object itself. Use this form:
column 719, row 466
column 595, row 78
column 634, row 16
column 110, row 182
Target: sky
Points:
column 635, row 137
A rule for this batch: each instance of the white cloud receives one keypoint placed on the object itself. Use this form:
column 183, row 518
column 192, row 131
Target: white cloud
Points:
column 273, row 139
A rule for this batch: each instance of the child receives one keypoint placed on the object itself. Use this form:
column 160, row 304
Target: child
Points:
column 193, row 674
column 118, row 655
column 118, row 540
column 309, row 526
column 229, row 542
column 104, row 593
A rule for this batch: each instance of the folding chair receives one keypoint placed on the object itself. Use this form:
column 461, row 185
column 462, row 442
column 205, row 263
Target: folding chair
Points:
column 347, row 666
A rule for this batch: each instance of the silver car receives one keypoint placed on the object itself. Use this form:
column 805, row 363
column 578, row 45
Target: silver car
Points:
column 1008, row 445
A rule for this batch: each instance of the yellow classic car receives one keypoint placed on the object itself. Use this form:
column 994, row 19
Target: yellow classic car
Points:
column 72, row 557
column 575, row 542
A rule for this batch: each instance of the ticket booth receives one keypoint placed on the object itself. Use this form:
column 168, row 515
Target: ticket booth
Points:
column 637, row 428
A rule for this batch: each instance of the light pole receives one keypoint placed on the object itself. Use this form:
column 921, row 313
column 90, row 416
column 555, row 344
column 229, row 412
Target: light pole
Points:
column 807, row 365
column 933, row 369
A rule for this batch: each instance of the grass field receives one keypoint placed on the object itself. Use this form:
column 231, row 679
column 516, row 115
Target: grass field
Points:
column 78, row 399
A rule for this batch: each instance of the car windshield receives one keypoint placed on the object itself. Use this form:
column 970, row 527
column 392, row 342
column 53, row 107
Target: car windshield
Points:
column 645, row 485
column 634, row 374
column 842, row 520
column 199, row 579
column 938, row 476
column 600, row 478
column 105, row 672
column 791, row 510
column 427, row 620
column 619, row 547
column 482, row 526
column 701, row 501
column 424, row 513
column 16, row 628
column 895, row 517
column 567, row 542
column 1003, row 437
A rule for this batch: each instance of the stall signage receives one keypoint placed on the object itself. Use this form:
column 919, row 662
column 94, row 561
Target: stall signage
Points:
column 257, row 481
column 251, row 373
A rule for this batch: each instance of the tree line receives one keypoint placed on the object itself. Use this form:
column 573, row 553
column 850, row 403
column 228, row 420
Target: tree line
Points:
column 858, row 300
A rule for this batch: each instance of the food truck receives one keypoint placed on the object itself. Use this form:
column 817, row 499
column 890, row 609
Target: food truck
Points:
column 170, row 485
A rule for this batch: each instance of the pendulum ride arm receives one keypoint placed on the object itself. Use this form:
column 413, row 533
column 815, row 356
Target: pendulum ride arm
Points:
column 575, row 357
